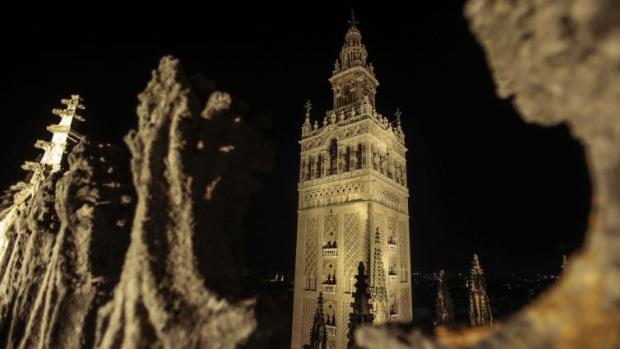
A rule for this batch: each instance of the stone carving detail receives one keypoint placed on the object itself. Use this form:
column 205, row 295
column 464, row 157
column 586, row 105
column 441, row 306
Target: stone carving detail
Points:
column 308, row 308
column 333, row 195
column 95, row 260
column 341, row 134
column 343, row 326
column 311, row 248
column 330, row 228
column 403, row 250
column 389, row 198
column 351, row 248
column 380, row 223
column 392, row 228
column 403, row 315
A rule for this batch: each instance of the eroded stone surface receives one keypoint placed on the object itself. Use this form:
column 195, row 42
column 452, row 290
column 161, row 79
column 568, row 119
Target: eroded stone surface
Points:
column 64, row 251
column 92, row 261
column 560, row 61
column 184, row 253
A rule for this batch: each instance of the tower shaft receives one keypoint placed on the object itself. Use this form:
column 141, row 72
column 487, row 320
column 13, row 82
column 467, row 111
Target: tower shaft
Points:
column 353, row 205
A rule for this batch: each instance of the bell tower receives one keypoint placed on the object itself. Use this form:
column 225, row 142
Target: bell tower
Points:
column 353, row 79
column 353, row 204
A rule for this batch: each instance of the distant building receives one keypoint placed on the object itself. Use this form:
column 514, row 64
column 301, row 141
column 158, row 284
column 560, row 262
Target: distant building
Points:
column 352, row 204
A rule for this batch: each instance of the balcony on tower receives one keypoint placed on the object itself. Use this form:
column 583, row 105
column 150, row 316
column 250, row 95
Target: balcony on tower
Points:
column 392, row 246
column 393, row 313
column 392, row 275
column 329, row 285
column 330, row 325
column 330, row 249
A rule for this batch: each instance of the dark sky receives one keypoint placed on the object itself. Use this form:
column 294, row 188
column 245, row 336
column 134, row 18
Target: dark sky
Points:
column 480, row 178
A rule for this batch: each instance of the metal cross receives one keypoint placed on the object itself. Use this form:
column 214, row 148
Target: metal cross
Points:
column 352, row 21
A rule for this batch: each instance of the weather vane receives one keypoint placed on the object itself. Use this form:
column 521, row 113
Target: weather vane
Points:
column 352, row 21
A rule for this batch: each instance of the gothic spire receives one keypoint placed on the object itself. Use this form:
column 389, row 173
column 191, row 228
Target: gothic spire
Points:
column 306, row 128
column 377, row 282
column 318, row 332
column 444, row 312
column 361, row 309
column 479, row 307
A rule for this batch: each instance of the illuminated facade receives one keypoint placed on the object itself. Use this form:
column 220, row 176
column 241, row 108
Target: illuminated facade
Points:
column 352, row 204
column 51, row 161
column 53, row 150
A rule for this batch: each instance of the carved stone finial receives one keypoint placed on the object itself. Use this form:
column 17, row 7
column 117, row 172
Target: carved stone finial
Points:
column 398, row 114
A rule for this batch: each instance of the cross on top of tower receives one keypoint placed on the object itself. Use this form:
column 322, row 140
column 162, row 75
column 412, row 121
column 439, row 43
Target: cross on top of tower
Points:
column 352, row 21
column 308, row 107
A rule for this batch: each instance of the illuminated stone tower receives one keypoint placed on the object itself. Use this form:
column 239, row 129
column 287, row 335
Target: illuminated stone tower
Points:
column 352, row 204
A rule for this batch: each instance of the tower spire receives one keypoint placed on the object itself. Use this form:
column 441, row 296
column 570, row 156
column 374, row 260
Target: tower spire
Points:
column 318, row 333
column 306, row 128
column 353, row 77
column 378, row 291
column 479, row 308
column 443, row 303
column 361, row 310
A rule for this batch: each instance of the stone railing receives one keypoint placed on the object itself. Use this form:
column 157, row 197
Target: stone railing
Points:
column 392, row 247
column 331, row 330
column 330, row 252
column 328, row 288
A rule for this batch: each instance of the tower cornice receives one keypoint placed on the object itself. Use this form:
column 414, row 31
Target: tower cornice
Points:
column 355, row 69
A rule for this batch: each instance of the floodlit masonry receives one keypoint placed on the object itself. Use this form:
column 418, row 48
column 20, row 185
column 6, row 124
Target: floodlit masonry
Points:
column 50, row 162
column 352, row 204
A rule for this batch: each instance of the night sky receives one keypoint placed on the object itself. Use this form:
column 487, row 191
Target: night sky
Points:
column 481, row 180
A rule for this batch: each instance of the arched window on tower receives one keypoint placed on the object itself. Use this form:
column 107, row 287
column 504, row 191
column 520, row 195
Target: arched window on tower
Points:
column 333, row 157
column 309, row 168
column 347, row 159
column 361, row 155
